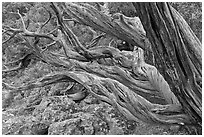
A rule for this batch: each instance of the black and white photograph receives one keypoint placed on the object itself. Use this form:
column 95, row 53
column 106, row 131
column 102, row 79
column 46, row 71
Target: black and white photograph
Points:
column 101, row 68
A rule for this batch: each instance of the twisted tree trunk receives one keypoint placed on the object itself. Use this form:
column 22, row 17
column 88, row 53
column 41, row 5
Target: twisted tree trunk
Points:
column 169, row 93
column 178, row 53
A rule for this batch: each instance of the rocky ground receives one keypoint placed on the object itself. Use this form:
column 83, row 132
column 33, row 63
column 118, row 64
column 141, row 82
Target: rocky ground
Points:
column 50, row 114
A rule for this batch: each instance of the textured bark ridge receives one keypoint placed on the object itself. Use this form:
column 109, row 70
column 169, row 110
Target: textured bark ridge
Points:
column 170, row 94
column 180, row 60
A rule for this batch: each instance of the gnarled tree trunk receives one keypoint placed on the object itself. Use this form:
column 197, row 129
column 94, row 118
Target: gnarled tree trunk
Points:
column 178, row 53
column 169, row 93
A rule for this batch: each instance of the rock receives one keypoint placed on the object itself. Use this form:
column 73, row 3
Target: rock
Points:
column 79, row 124
column 33, row 128
column 67, row 127
column 59, row 115
column 7, row 98
column 5, row 124
column 15, row 125
column 18, row 97
column 40, row 129
column 174, row 128
column 74, row 126
column 115, row 130
column 22, row 125
column 54, row 109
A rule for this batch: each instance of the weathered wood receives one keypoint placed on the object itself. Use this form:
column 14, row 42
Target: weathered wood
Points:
column 170, row 95
column 177, row 52
column 88, row 15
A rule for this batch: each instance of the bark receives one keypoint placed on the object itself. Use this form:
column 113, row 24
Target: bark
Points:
column 178, row 54
column 124, row 79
